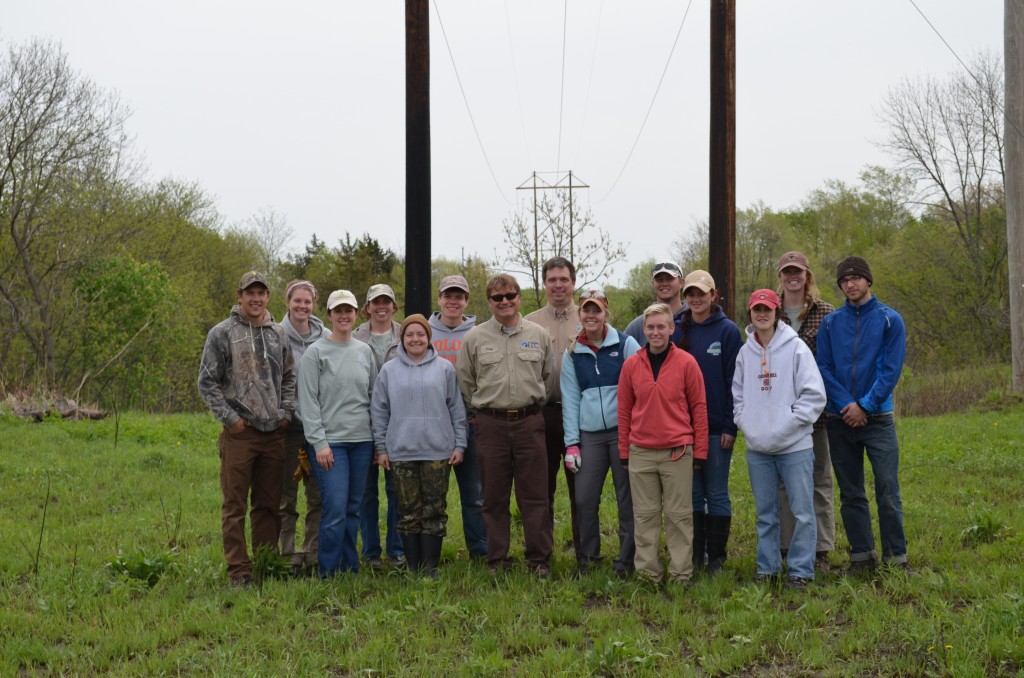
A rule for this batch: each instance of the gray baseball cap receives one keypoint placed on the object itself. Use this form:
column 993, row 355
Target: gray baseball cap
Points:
column 453, row 281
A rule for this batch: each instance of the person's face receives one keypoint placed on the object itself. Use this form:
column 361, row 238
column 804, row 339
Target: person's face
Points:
column 658, row 330
column 699, row 301
column 300, row 305
column 505, row 310
column 593, row 318
column 667, row 287
column 415, row 340
column 343, row 318
column 856, row 288
column 382, row 309
column 762, row 317
column 253, row 300
column 793, row 279
column 558, row 286
column 453, row 303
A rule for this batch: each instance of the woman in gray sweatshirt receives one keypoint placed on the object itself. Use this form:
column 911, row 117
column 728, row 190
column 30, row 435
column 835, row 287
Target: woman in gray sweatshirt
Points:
column 419, row 432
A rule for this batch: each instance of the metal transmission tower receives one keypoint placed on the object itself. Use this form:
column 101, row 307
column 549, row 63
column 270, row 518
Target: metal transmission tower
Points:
column 535, row 183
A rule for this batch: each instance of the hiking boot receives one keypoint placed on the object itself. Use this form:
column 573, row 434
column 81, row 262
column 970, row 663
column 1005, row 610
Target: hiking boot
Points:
column 241, row 582
column 859, row 567
column 762, row 578
column 797, row 583
column 821, row 563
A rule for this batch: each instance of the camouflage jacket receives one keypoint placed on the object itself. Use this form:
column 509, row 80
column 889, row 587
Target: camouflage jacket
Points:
column 247, row 371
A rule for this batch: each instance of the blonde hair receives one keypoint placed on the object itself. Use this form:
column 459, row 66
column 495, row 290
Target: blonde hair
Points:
column 656, row 309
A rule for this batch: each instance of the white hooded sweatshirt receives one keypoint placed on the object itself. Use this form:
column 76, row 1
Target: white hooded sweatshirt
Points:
column 777, row 392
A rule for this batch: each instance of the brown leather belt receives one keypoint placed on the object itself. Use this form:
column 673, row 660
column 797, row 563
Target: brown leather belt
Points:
column 510, row 415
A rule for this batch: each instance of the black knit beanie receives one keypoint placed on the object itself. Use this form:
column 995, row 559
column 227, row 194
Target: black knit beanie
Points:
column 853, row 266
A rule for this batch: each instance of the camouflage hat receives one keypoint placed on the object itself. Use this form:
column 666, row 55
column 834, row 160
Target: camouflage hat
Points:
column 453, row 282
column 252, row 278
column 380, row 290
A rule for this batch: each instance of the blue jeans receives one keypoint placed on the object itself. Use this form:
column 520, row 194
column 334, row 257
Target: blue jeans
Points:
column 471, row 494
column 711, row 483
column 796, row 471
column 847, row 446
column 369, row 528
column 341, row 491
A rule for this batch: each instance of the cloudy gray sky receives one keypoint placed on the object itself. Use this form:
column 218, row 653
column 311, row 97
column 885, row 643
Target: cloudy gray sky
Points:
column 300, row 106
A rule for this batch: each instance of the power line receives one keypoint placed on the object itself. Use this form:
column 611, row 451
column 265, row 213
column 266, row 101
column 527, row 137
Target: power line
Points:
column 466, row 101
column 519, row 95
column 561, row 94
column 653, row 99
column 590, row 81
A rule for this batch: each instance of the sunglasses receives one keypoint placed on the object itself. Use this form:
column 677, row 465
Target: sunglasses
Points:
column 508, row 296
column 666, row 266
column 592, row 294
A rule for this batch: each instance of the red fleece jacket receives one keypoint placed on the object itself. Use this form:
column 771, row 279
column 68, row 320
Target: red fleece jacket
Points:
column 670, row 412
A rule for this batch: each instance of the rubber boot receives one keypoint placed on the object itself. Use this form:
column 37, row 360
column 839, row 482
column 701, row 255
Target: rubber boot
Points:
column 411, row 546
column 717, row 539
column 699, row 541
column 430, row 553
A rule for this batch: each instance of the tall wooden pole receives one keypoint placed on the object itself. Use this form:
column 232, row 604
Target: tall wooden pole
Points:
column 722, row 176
column 418, row 292
column 1013, row 58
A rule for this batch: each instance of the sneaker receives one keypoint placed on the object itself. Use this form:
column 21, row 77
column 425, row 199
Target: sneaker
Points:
column 541, row 571
column 763, row 578
column 821, row 563
column 399, row 563
column 903, row 566
column 797, row 583
column 297, row 571
column 241, row 582
column 859, row 567
column 375, row 564
column 623, row 573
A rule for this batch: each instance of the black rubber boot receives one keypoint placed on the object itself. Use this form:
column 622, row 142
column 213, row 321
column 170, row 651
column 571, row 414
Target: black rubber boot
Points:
column 411, row 546
column 718, row 540
column 699, row 541
column 430, row 553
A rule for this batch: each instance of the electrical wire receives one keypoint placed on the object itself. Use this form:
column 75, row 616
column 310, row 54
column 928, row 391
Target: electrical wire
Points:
column 561, row 94
column 466, row 101
column 651, row 107
column 590, row 82
column 519, row 95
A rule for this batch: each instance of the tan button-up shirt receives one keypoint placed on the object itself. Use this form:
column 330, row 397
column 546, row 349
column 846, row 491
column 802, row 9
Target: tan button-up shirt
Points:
column 505, row 371
column 563, row 326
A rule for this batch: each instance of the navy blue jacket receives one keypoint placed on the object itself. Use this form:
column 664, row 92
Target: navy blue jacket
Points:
column 715, row 343
column 860, row 355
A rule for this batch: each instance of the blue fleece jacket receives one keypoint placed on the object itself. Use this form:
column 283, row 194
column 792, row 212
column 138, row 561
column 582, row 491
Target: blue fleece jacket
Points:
column 860, row 355
column 715, row 343
column 590, row 384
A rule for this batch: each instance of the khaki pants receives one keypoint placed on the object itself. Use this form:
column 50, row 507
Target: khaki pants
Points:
column 250, row 464
column 294, row 440
column 657, row 483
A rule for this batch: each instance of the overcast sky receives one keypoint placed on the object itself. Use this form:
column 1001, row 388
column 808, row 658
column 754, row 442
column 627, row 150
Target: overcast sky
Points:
column 301, row 106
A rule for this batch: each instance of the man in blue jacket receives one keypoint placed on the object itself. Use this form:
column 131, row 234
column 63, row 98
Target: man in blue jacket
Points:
column 861, row 347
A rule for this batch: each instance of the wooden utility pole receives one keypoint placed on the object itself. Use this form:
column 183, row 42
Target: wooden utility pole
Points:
column 1013, row 58
column 418, row 297
column 722, row 176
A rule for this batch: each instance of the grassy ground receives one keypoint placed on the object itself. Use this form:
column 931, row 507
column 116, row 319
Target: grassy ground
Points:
column 117, row 519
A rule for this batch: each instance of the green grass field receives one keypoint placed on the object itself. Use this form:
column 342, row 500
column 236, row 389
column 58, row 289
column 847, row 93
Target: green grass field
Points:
column 118, row 519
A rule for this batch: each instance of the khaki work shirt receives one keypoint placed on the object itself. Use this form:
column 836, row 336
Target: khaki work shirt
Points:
column 563, row 326
column 505, row 371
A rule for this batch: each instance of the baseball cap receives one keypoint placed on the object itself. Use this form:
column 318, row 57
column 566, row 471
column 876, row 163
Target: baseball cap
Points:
column 765, row 297
column 794, row 258
column 669, row 267
column 252, row 278
column 702, row 280
column 453, row 281
column 594, row 297
column 380, row 290
column 339, row 297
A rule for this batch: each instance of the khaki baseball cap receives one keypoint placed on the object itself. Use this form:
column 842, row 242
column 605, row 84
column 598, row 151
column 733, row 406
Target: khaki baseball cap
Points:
column 339, row 297
column 702, row 280
column 380, row 290
column 453, row 281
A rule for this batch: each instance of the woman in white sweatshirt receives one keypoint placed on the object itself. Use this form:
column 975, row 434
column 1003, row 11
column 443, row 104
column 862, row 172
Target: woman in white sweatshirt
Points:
column 777, row 396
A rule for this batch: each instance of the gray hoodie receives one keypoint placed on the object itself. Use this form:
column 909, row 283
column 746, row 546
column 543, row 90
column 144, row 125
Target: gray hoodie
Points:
column 448, row 340
column 317, row 330
column 416, row 411
column 777, row 392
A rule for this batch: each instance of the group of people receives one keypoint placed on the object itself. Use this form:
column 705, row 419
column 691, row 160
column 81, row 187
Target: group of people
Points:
column 510, row 401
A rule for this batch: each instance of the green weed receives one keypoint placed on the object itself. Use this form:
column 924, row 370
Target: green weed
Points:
column 987, row 525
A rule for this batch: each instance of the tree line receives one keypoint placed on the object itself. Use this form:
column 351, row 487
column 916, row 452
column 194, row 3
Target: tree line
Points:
column 109, row 281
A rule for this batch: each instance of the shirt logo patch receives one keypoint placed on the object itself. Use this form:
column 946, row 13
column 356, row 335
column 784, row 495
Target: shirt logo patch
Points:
column 614, row 354
column 488, row 349
column 715, row 348
column 529, row 344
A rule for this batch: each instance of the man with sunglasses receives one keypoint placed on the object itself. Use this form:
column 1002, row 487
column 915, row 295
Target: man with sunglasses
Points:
column 505, row 373
column 667, row 281
column 562, row 321
column 861, row 347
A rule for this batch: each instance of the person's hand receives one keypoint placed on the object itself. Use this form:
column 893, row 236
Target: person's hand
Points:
column 726, row 440
column 455, row 459
column 698, row 464
column 854, row 415
column 325, row 457
column 625, row 462
column 383, row 460
column 573, row 458
column 237, row 427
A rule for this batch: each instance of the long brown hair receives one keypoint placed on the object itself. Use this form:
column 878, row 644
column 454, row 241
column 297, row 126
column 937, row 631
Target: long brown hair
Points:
column 810, row 292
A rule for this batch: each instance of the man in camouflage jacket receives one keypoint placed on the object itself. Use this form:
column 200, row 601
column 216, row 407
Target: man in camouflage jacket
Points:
column 247, row 378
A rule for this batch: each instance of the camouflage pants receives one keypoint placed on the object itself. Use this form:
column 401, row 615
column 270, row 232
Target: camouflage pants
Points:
column 422, row 489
